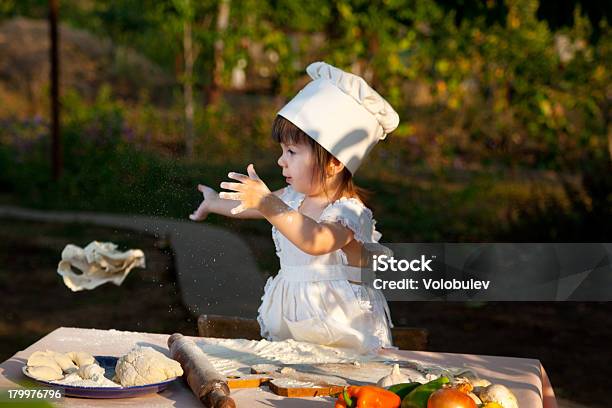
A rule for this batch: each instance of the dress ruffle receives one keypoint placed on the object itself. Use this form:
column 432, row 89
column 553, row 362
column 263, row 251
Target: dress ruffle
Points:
column 351, row 213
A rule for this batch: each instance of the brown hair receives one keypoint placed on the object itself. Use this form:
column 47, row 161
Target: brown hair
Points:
column 283, row 131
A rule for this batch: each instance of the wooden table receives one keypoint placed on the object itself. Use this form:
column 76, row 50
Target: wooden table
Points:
column 526, row 377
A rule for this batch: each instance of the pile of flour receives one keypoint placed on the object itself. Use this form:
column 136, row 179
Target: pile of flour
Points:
column 75, row 380
column 230, row 355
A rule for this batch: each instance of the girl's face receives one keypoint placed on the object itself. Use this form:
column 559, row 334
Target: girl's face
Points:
column 297, row 162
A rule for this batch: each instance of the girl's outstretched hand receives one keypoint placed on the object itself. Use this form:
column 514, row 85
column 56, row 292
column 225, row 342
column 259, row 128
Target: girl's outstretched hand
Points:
column 250, row 191
column 205, row 208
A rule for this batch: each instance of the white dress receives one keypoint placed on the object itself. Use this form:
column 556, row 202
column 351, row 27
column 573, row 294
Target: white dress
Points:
column 314, row 299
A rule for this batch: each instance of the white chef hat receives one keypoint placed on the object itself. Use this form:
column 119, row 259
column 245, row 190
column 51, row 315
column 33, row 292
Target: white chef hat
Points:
column 342, row 113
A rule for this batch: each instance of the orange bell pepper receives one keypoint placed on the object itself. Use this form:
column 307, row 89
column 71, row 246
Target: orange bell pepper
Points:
column 367, row 396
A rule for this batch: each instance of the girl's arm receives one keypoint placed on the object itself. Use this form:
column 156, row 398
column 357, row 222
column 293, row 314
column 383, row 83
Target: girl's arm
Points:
column 213, row 204
column 304, row 232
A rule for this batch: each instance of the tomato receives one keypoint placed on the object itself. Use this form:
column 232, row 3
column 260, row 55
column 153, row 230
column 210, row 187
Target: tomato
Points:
column 450, row 398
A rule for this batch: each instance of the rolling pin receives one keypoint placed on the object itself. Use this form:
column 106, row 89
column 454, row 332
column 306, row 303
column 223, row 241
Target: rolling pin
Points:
column 206, row 383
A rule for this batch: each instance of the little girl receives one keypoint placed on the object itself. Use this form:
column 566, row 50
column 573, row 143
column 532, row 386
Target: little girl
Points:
column 319, row 223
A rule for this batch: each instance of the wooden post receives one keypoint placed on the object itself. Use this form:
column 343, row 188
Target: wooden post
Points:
column 213, row 92
column 188, row 86
column 56, row 142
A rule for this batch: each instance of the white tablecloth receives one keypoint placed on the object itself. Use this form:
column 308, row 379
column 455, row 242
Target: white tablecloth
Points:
column 526, row 377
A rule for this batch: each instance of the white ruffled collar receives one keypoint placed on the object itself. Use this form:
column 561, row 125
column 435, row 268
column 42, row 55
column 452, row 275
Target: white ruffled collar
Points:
column 298, row 198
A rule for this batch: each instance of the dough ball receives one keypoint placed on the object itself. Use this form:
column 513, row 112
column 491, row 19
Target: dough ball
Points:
column 33, row 359
column 64, row 362
column 90, row 372
column 41, row 358
column 50, row 365
column 45, row 373
column 500, row 394
column 144, row 365
column 81, row 358
column 44, row 359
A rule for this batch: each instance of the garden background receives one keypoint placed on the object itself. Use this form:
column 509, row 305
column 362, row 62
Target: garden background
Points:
column 505, row 136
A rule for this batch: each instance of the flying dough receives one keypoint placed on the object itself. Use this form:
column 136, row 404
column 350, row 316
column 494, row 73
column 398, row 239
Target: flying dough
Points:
column 99, row 262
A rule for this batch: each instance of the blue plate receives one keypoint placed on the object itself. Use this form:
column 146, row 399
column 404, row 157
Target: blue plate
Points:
column 108, row 363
